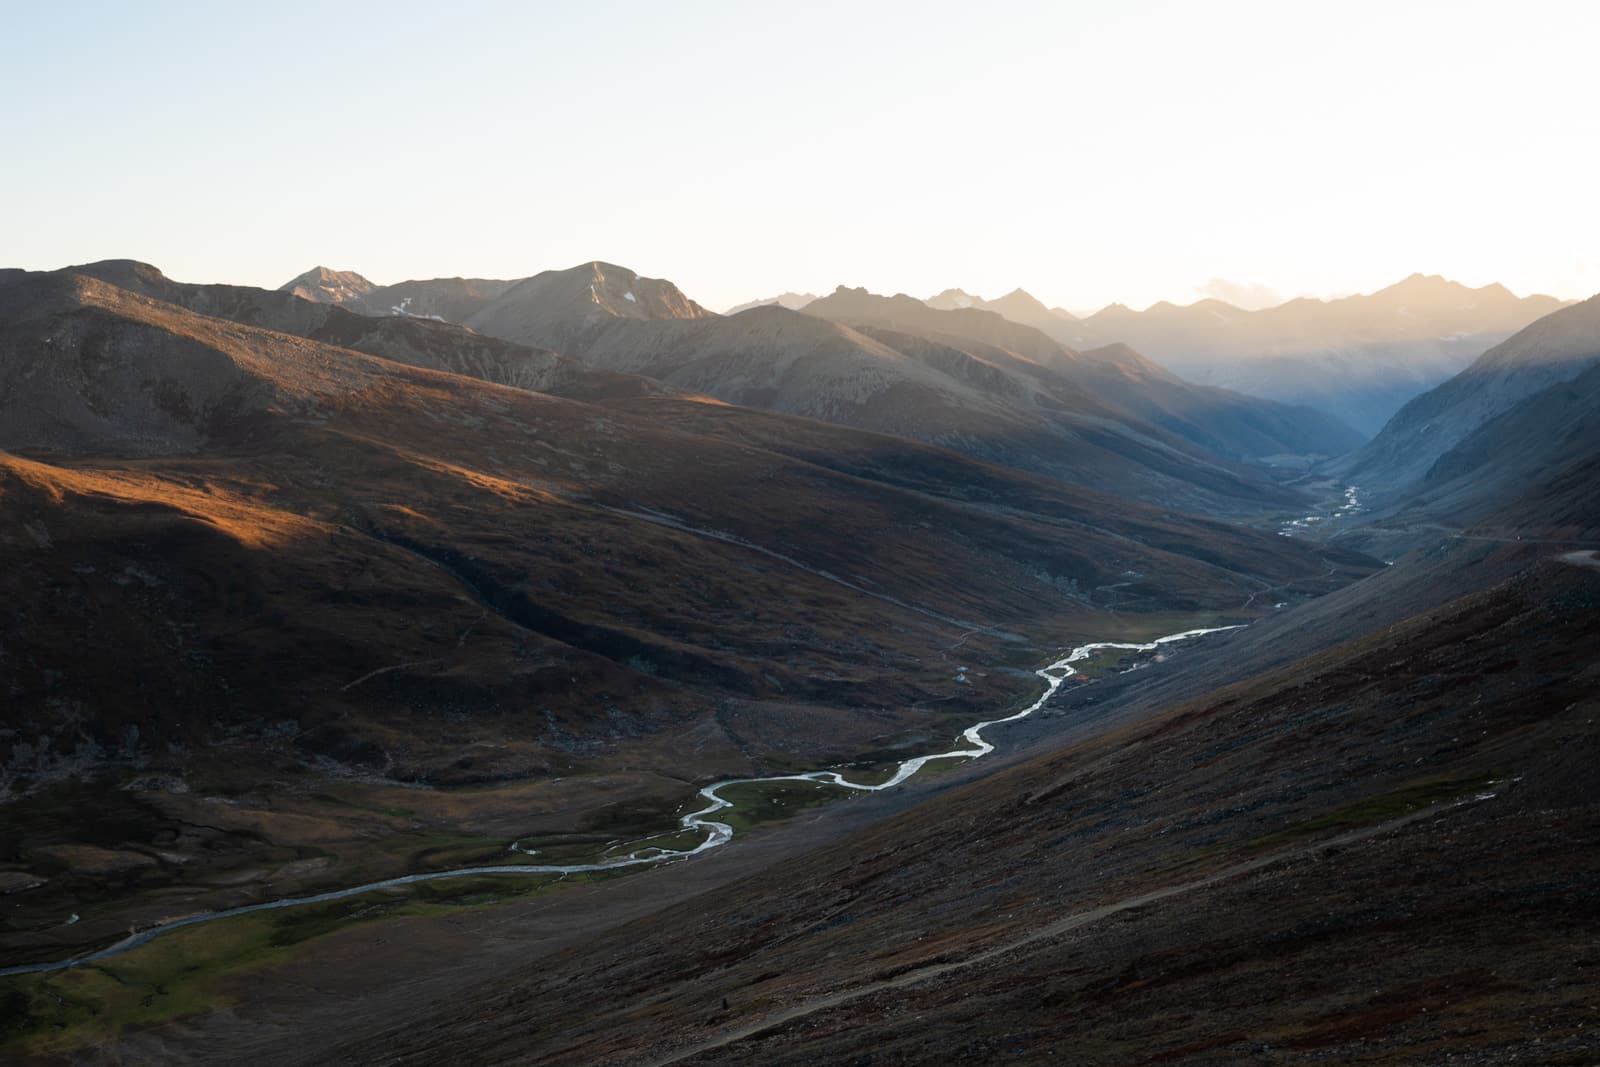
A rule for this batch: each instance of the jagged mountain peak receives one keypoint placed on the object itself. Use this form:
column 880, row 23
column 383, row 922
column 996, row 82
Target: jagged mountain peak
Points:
column 950, row 299
column 623, row 293
column 555, row 308
column 1019, row 305
column 844, row 297
column 1417, row 282
column 1019, row 300
column 1114, row 311
column 592, row 291
column 1434, row 294
column 791, row 300
column 324, row 285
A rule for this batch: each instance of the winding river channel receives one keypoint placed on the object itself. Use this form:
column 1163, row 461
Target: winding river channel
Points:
column 716, row 834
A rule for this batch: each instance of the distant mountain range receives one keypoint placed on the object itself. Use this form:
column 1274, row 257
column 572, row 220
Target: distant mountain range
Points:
column 1223, row 422
column 976, row 361
column 1018, row 305
column 792, row 301
column 967, row 379
column 1014, row 381
column 1357, row 358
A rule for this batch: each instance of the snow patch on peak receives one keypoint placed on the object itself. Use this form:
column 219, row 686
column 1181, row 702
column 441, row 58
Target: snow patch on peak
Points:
column 404, row 309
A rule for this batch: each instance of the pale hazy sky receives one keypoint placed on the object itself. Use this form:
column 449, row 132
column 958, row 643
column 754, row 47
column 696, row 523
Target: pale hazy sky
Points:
column 1088, row 152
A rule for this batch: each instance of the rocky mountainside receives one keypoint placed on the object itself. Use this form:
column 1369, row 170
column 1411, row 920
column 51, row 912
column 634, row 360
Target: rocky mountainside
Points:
column 322, row 285
column 557, row 308
column 446, row 299
column 1358, row 358
column 1524, row 415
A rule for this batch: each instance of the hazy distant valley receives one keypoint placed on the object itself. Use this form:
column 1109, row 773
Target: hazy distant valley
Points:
column 314, row 591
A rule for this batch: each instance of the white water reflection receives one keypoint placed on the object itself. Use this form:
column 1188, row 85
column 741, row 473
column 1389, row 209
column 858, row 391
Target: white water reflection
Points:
column 1350, row 507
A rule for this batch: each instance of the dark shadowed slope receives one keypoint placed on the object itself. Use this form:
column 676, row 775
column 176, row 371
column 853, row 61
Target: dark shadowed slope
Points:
column 1551, row 352
column 1382, row 850
column 1550, row 441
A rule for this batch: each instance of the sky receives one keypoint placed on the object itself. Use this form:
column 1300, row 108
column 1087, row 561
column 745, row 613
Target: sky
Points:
column 1089, row 152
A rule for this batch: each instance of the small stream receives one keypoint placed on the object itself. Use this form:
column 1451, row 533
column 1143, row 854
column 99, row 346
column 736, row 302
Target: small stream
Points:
column 972, row 745
column 1351, row 507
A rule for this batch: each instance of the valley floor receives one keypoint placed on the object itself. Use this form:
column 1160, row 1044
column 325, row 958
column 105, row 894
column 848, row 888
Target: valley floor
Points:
column 1382, row 853
column 236, row 980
